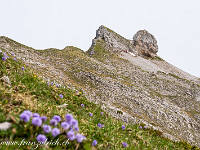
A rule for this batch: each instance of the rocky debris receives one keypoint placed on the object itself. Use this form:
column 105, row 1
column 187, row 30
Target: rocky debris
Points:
column 6, row 81
column 5, row 125
column 145, row 43
column 198, row 98
column 63, row 105
column 77, row 93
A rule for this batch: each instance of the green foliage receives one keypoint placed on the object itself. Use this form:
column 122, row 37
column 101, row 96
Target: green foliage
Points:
column 100, row 52
column 157, row 58
column 175, row 76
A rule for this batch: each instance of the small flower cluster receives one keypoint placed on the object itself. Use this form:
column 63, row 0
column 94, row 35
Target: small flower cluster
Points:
column 52, row 83
column 68, row 127
column 5, row 56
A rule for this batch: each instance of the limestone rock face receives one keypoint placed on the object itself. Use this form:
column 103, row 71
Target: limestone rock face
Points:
column 113, row 41
column 145, row 43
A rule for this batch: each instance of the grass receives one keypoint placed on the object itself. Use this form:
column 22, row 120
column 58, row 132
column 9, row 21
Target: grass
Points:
column 29, row 92
column 157, row 58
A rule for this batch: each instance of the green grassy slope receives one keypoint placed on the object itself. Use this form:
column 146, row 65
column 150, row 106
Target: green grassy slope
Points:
column 28, row 92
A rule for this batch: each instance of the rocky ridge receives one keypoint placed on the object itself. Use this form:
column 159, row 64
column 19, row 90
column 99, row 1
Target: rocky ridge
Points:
column 130, row 87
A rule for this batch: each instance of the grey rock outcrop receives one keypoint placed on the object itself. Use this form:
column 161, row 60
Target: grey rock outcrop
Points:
column 113, row 41
column 145, row 43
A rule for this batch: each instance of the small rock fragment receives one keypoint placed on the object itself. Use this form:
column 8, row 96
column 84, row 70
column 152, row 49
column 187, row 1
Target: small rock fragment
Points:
column 5, row 125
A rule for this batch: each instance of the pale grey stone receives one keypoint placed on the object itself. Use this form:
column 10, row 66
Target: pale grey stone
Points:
column 5, row 125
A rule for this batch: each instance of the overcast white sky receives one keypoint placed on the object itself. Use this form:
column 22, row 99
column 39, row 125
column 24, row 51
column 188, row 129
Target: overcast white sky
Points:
column 45, row 24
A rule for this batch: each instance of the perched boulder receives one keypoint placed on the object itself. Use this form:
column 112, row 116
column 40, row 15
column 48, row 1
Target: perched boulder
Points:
column 145, row 43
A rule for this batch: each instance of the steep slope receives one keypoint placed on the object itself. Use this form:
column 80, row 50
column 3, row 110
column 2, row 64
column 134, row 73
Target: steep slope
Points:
column 21, row 89
column 127, row 85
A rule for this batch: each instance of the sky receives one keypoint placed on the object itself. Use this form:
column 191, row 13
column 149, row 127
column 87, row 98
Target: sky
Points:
column 43, row 24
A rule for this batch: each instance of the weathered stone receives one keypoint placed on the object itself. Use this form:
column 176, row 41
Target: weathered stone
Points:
column 145, row 43
column 6, row 80
column 113, row 41
column 63, row 105
column 5, row 125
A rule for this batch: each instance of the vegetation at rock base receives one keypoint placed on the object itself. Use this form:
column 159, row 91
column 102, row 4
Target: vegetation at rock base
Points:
column 29, row 92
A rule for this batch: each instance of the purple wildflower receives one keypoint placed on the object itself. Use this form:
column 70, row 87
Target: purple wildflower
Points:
column 41, row 138
column 82, row 105
column 84, row 137
column 76, row 128
column 55, row 132
column 57, row 117
column 61, row 96
column 4, row 58
column 51, row 83
column 90, row 114
column 23, row 68
column 101, row 113
column 74, row 122
column 71, row 135
column 44, row 118
column 36, row 121
column 68, row 117
column 24, row 117
column 53, row 122
column 79, row 138
column 103, row 125
column 28, row 112
column 57, row 85
column 48, row 84
column 65, row 125
column 36, row 115
column 99, row 125
column 14, row 59
column 94, row 143
column 124, row 144
column 123, row 127
column 6, row 55
column 46, row 128
column 140, row 127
